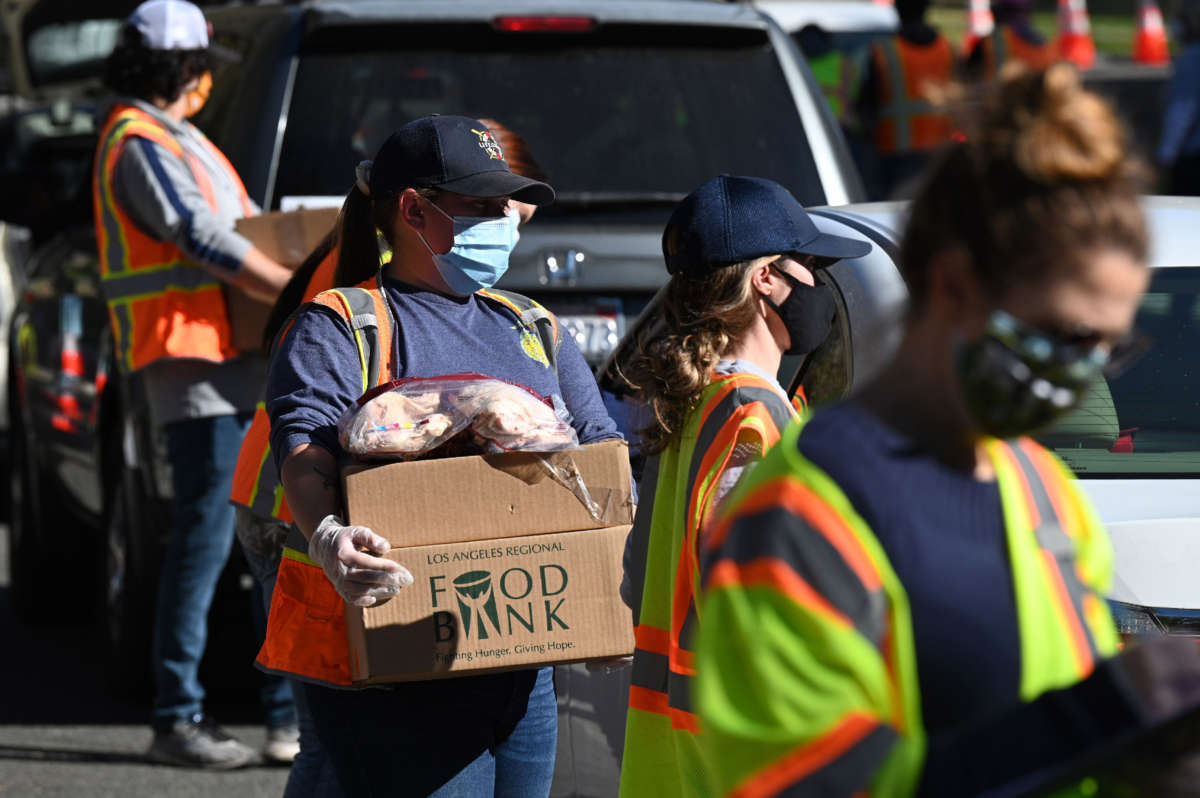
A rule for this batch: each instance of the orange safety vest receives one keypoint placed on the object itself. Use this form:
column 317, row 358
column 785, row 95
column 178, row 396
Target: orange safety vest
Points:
column 661, row 752
column 306, row 627
column 906, row 121
column 161, row 305
column 256, row 482
column 1006, row 44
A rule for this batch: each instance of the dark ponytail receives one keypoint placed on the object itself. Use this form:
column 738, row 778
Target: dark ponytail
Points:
column 360, row 223
column 293, row 293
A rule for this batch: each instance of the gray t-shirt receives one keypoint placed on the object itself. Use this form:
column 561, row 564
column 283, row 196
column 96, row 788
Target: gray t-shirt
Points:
column 183, row 389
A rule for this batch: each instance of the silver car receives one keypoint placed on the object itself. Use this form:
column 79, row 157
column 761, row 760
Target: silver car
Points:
column 1134, row 443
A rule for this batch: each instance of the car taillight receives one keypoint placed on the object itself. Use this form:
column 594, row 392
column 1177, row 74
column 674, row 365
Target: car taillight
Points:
column 544, row 24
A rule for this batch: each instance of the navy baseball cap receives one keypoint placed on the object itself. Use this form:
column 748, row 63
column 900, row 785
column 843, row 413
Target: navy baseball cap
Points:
column 453, row 153
column 732, row 219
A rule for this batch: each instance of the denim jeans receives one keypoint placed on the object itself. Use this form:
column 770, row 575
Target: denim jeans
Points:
column 202, row 453
column 311, row 775
column 490, row 736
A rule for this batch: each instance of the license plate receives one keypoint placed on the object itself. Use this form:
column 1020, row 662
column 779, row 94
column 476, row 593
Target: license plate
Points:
column 596, row 331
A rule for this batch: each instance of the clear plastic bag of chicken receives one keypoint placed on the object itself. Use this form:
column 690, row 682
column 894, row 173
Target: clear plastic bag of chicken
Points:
column 452, row 415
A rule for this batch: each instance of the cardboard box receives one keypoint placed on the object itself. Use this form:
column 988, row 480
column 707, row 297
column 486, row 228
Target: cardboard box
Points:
column 493, row 605
column 511, row 568
column 494, row 496
column 287, row 238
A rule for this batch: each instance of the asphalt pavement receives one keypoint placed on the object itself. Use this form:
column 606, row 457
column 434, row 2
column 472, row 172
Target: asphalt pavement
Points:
column 61, row 734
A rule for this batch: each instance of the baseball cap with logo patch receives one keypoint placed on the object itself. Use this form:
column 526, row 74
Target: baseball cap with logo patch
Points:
column 170, row 25
column 451, row 153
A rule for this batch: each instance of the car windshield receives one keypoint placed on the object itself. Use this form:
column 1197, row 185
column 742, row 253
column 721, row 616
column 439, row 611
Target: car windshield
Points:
column 1145, row 422
column 70, row 51
column 623, row 119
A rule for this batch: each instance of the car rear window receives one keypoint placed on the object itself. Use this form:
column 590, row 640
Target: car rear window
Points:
column 1146, row 421
column 70, row 51
column 625, row 112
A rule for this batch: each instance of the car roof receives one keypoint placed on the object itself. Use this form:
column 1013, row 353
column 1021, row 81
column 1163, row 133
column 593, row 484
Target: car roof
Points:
column 1174, row 226
column 694, row 12
column 835, row 16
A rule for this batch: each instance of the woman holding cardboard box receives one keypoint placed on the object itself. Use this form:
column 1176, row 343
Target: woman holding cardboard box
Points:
column 262, row 513
column 439, row 191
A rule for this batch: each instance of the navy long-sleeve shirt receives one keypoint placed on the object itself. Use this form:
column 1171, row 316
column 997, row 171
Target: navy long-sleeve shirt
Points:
column 943, row 532
column 315, row 374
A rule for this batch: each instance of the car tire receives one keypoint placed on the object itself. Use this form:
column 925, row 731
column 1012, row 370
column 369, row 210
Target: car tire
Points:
column 130, row 569
column 49, row 566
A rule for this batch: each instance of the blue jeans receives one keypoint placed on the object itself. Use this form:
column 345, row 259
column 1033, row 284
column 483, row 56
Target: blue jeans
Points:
column 490, row 736
column 279, row 708
column 311, row 775
column 202, row 453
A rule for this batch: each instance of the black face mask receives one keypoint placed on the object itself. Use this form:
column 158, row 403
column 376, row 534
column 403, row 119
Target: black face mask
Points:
column 807, row 314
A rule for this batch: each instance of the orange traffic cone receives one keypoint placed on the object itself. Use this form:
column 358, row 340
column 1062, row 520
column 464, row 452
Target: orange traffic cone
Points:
column 1075, row 34
column 1150, row 41
column 980, row 23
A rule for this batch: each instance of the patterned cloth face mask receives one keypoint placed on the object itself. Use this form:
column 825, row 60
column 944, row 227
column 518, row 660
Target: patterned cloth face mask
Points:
column 1017, row 379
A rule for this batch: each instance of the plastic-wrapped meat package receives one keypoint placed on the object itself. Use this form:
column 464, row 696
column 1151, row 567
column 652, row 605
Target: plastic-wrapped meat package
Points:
column 457, row 414
column 509, row 417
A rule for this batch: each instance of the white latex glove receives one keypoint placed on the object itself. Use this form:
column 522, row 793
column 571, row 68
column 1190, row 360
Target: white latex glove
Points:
column 360, row 577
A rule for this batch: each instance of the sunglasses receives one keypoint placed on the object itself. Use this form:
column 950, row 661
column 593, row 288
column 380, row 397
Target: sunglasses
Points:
column 1080, row 353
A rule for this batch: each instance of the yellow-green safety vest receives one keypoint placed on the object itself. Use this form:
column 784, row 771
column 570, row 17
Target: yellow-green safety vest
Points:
column 662, row 757
column 806, row 665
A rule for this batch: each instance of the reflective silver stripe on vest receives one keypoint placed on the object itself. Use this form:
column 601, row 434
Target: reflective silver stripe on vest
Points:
column 364, row 323
column 779, row 534
column 151, row 280
column 901, row 109
column 652, row 671
column 1053, row 538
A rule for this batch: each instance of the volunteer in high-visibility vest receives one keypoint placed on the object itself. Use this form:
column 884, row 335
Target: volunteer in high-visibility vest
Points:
column 839, row 73
column 166, row 200
column 1012, row 39
column 907, row 72
column 439, row 192
column 263, row 518
column 744, row 291
column 906, row 596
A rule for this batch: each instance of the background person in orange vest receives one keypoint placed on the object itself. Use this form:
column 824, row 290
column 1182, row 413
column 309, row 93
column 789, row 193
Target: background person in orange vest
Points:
column 906, row 72
column 743, row 257
column 1012, row 39
column 263, row 519
column 165, row 203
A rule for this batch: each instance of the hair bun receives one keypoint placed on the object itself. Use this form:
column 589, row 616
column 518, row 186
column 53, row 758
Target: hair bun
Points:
column 1054, row 128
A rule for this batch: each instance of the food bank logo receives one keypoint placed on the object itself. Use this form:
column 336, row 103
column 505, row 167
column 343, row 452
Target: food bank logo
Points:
column 497, row 606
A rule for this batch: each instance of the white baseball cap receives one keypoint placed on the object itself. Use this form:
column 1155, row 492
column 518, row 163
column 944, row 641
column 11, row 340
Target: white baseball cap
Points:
column 170, row 25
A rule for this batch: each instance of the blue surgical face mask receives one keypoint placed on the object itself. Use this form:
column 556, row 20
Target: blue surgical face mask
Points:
column 479, row 256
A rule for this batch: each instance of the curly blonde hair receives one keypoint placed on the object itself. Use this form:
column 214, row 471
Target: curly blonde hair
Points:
column 703, row 318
